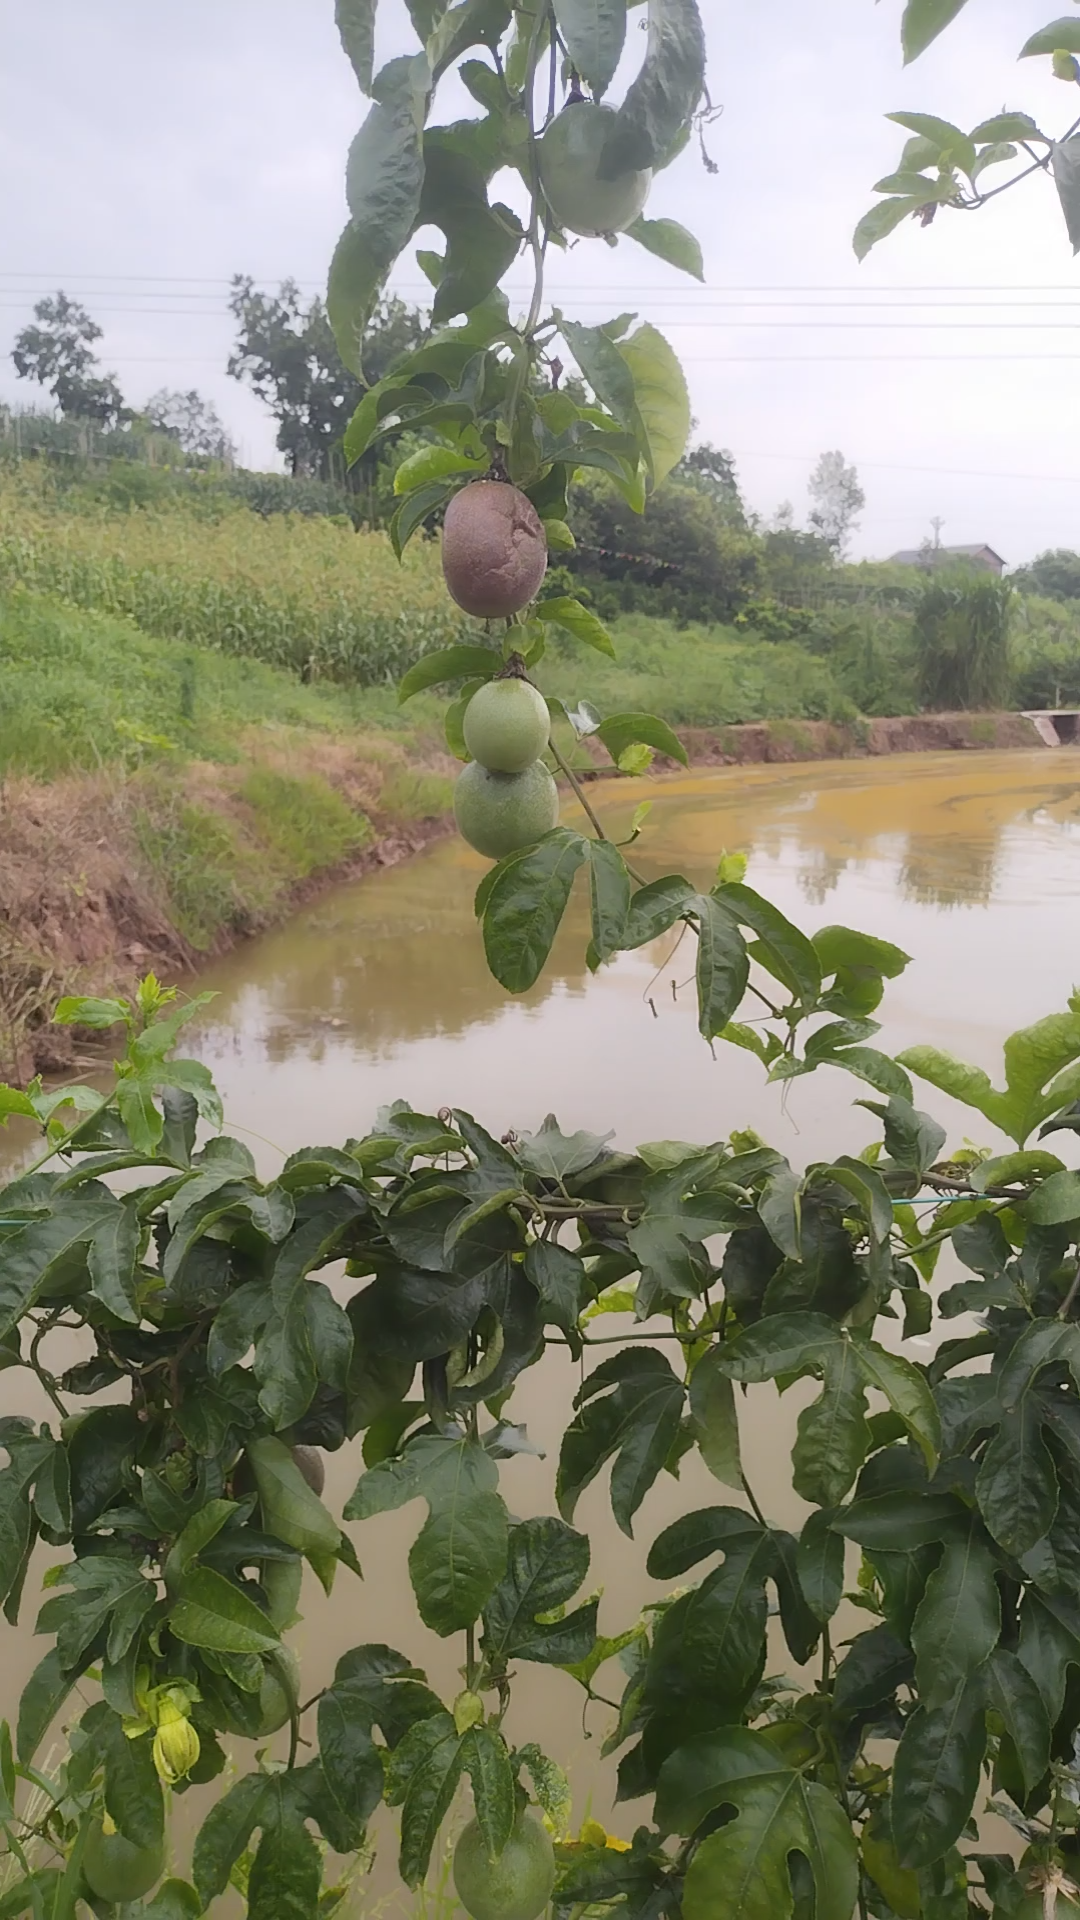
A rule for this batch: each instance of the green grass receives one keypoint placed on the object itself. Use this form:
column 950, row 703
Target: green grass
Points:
column 695, row 677
column 302, row 820
column 80, row 691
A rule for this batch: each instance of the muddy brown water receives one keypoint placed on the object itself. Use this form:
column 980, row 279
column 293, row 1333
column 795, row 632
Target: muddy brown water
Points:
column 379, row 991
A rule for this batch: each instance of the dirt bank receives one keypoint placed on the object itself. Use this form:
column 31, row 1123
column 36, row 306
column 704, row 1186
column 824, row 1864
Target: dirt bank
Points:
column 782, row 741
column 103, row 877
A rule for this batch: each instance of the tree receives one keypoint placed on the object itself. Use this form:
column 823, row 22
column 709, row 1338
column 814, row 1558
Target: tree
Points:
column 838, row 500
column 192, row 422
column 684, row 554
column 1055, row 573
column 287, row 354
column 712, row 471
column 58, row 352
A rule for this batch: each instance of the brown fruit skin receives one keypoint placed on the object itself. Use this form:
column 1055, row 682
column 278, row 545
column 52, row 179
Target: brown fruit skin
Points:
column 312, row 1466
column 494, row 550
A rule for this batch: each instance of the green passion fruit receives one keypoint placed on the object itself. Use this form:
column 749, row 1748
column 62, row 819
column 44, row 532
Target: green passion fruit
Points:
column 1030, row 1907
column 516, row 1886
column 494, row 549
column 116, row 1870
column 506, row 725
column 571, row 153
column 498, row 813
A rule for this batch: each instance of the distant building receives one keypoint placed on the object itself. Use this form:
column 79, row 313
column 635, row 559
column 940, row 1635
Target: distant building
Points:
column 979, row 555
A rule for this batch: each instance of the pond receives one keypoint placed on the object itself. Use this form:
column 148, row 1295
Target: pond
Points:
column 379, row 992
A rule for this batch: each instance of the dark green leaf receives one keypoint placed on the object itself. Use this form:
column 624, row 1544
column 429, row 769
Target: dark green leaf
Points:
column 225, row 1833
column 657, row 907
column 723, row 966
column 133, row 1796
column 744, row 1869
column 546, row 1564
column 1012, row 1693
column 560, row 1279
column 958, row 1621
column 460, row 1553
column 715, row 1420
column 348, row 1754
column 1017, row 1485
column 486, row 1761
column 820, row 1566
column 936, row 1776
column 609, row 897
column 422, row 1776
column 874, row 1666
column 636, row 1420
column 42, row 1698
column 113, row 1252
column 709, row 1647
column 286, row 1874
column 525, row 906
column 833, row 1436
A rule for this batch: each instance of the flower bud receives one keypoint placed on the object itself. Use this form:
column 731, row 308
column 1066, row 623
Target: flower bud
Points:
column 176, row 1744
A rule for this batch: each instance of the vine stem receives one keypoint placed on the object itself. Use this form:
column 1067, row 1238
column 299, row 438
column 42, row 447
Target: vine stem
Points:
column 593, row 817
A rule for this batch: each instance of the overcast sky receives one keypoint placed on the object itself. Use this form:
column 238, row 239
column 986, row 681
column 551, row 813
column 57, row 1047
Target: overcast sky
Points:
column 148, row 153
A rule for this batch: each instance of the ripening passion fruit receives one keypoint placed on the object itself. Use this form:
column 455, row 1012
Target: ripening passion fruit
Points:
column 516, row 1886
column 498, row 813
column 118, row 1871
column 506, row 725
column 311, row 1464
column 571, row 153
column 494, row 549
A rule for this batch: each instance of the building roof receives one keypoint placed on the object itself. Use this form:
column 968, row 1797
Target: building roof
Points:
column 911, row 556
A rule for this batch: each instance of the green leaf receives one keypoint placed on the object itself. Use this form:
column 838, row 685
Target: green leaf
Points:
column 958, row 1621
column 451, row 663
column 356, row 24
column 881, row 220
column 32, row 1252
column 609, row 897
column 936, row 1776
column 660, row 102
column 715, row 1420
column 593, row 32
column 833, row 1436
column 630, row 1407
column 460, row 1553
column 174, row 1900
column 908, row 1394
column 710, row 1644
column 560, row 1278
column 656, row 907
column 1017, row 1484
column 1011, row 1692
column 225, row 1833
column 1006, row 126
column 12, row 1101
column 1036, row 1080
column 42, row 1698
column 133, row 1796
column 820, row 1565
column 486, row 1761
column 546, row 1564
column 525, row 906
column 481, row 240
column 1055, row 1201
column 556, row 1155
column 1063, row 34
column 286, row 1874
column 383, row 181
column 290, row 1508
column 744, row 1870
column 785, row 951
column 723, row 966
column 622, row 730
column 422, row 1777
column 350, row 1759
column 414, row 510
column 433, row 462
column 922, row 21
column 954, row 146
column 78, row 1010
column 843, row 947
column 661, row 398
column 212, row 1613
column 564, row 611
column 112, row 1257
column 670, row 242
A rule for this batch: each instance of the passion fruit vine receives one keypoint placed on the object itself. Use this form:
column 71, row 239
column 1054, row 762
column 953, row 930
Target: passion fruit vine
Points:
column 516, row 1886
column 494, row 549
column 571, row 174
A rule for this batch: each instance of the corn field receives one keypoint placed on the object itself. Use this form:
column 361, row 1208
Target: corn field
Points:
column 308, row 595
